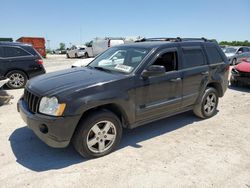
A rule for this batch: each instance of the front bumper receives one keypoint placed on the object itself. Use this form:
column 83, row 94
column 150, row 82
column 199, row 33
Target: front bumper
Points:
column 54, row 131
column 243, row 80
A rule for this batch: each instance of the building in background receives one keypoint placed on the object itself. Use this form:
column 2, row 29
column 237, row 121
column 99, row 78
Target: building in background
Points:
column 37, row 42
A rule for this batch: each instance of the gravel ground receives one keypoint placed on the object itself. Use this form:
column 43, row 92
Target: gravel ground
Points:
column 180, row 151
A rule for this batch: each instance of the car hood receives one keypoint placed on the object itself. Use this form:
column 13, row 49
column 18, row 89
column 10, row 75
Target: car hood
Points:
column 229, row 54
column 70, row 80
column 243, row 67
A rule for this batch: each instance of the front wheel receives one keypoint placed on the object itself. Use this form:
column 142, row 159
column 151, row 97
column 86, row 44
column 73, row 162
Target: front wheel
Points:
column 207, row 106
column 86, row 55
column 97, row 135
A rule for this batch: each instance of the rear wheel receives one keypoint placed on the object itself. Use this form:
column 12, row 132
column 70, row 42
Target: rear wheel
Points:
column 67, row 55
column 76, row 55
column 207, row 106
column 97, row 135
column 86, row 55
column 18, row 79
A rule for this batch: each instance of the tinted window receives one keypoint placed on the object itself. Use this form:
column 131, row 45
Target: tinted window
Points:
column 31, row 50
column 213, row 55
column 14, row 52
column 1, row 52
column 193, row 57
column 168, row 60
column 245, row 49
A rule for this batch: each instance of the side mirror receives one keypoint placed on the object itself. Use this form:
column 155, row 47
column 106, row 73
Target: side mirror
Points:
column 153, row 70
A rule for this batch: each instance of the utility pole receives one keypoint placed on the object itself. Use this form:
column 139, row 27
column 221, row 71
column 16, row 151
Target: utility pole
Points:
column 48, row 41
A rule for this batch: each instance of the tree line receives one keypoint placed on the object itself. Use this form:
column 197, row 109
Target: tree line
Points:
column 235, row 43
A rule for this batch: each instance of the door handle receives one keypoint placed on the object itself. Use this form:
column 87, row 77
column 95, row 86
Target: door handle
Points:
column 205, row 73
column 175, row 80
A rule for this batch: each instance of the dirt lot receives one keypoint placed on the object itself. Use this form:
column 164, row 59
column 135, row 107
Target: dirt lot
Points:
column 181, row 151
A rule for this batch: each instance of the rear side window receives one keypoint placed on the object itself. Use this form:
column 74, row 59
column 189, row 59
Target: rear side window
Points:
column 213, row 55
column 14, row 52
column 1, row 52
column 193, row 57
column 31, row 50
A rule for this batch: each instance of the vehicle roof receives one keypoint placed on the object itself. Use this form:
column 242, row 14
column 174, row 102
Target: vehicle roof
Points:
column 159, row 44
column 13, row 44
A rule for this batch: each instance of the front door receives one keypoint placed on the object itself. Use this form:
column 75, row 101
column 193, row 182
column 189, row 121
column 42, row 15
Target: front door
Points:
column 157, row 96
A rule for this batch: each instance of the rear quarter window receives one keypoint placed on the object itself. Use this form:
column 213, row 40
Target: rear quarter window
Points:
column 193, row 57
column 31, row 50
column 214, row 56
column 15, row 52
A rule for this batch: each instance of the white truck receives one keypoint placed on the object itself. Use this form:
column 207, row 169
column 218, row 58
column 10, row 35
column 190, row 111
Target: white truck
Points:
column 99, row 45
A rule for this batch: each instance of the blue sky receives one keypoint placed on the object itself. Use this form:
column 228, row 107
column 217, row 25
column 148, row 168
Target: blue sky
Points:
column 78, row 21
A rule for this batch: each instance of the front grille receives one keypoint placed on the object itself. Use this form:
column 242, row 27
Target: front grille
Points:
column 244, row 74
column 31, row 100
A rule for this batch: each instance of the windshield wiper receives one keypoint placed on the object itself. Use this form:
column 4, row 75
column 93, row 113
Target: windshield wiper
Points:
column 102, row 69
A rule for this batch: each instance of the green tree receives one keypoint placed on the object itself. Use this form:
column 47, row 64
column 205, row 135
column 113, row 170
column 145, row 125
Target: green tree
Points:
column 62, row 46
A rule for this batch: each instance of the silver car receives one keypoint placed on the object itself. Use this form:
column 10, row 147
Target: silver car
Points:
column 236, row 53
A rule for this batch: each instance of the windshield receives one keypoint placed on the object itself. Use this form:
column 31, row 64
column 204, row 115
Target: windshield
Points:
column 120, row 59
column 230, row 50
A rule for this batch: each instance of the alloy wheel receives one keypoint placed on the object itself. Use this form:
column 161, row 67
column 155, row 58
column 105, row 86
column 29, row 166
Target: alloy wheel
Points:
column 17, row 80
column 101, row 136
column 210, row 103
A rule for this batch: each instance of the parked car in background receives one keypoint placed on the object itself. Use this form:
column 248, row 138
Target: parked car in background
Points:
column 37, row 42
column 232, row 52
column 82, row 62
column 19, row 62
column 147, row 81
column 241, row 73
column 99, row 45
column 223, row 48
column 238, row 58
column 76, row 51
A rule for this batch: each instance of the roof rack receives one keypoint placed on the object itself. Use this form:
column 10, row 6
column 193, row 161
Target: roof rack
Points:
column 177, row 39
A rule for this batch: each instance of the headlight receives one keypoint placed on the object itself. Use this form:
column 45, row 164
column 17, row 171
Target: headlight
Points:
column 50, row 106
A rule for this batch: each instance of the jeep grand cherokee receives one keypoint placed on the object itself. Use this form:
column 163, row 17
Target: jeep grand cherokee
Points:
column 126, row 86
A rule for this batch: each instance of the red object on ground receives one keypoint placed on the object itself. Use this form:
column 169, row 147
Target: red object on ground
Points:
column 243, row 67
column 37, row 42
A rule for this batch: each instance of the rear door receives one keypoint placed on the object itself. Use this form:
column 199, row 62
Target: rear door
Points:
column 195, row 72
column 16, row 58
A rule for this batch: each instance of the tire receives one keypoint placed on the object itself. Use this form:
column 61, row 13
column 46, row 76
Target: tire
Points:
column 207, row 106
column 234, row 83
column 76, row 56
column 18, row 79
column 234, row 61
column 67, row 55
column 90, row 139
column 86, row 55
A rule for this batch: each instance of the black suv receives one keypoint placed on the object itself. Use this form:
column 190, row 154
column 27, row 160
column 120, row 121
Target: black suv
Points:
column 125, row 87
column 19, row 62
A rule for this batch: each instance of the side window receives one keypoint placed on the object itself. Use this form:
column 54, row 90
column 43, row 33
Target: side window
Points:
column 14, row 52
column 240, row 50
column 169, row 60
column 193, row 57
column 1, row 52
column 213, row 55
column 245, row 49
